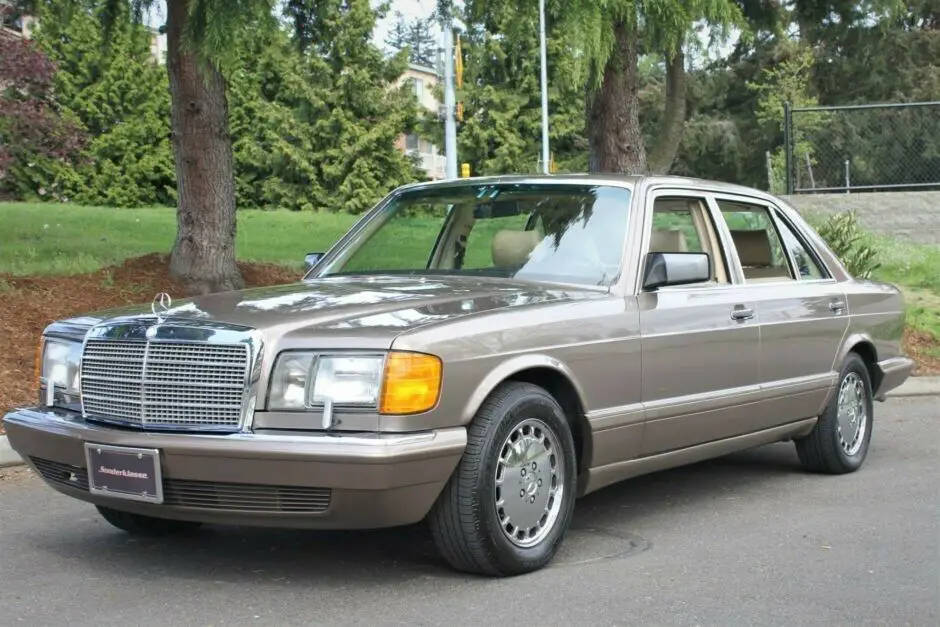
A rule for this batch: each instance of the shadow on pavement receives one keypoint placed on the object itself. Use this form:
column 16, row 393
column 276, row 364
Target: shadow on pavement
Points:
column 601, row 530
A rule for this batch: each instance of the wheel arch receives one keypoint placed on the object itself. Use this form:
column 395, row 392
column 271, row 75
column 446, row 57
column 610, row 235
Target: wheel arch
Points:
column 554, row 377
column 863, row 346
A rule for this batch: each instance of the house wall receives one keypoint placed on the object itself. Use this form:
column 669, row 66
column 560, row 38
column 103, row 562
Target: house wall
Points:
column 432, row 161
column 909, row 215
column 428, row 81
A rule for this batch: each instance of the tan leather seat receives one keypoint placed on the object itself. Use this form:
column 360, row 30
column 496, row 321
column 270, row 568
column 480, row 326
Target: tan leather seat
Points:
column 511, row 249
column 756, row 255
column 668, row 241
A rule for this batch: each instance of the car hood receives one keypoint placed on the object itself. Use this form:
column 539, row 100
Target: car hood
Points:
column 380, row 306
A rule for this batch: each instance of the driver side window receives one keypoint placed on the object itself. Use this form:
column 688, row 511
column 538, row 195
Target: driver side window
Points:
column 683, row 225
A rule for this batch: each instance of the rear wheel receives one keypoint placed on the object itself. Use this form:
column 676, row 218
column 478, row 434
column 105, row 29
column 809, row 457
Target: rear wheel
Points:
column 839, row 442
column 508, row 505
column 139, row 525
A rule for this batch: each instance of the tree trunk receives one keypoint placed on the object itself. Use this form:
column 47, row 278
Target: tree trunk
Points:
column 615, row 139
column 204, row 253
column 670, row 135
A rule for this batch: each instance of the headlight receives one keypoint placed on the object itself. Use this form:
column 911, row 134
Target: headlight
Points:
column 60, row 366
column 305, row 380
column 396, row 383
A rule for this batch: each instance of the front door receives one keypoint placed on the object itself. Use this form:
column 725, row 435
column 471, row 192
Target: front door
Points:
column 700, row 343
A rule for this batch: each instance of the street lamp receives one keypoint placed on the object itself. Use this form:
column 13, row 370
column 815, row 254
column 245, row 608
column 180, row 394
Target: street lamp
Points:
column 545, row 152
column 450, row 124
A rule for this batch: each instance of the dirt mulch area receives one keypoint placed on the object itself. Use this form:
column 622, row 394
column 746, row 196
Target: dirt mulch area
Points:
column 30, row 303
column 919, row 346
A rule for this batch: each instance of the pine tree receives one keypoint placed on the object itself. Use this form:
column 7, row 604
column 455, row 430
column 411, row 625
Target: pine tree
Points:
column 397, row 38
column 118, row 92
column 421, row 42
column 317, row 131
column 417, row 37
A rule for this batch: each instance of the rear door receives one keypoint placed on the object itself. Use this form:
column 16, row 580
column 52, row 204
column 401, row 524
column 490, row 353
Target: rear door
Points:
column 802, row 309
column 700, row 343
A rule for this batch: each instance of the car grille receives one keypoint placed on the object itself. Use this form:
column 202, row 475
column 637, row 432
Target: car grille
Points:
column 157, row 384
column 232, row 497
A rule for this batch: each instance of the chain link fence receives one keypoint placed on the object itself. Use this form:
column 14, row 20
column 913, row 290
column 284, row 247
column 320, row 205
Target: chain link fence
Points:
column 862, row 147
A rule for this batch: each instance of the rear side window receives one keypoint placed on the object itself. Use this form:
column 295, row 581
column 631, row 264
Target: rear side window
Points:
column 806, row 264
column 760, row 249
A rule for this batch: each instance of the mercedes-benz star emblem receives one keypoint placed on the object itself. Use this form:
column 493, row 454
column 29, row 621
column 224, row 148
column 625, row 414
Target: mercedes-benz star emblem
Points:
column 161, row 304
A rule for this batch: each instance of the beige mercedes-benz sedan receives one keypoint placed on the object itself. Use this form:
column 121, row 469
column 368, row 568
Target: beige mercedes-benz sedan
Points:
column 476, row 353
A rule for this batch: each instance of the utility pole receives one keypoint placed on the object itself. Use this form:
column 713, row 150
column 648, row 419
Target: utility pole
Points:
column 450, row 124
column 546, row 164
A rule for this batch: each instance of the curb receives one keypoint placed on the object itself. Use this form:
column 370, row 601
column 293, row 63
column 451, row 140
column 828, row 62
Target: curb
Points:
column 914, row 386
column 8, row 457
column 917, row 386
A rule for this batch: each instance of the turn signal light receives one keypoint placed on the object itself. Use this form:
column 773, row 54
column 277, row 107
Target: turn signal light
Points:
column 412, row 383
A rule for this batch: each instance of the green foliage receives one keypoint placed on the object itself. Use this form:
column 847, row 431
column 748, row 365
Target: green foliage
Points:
column 316, row 130
column 788, row 81
column 664, row 26
column 849, row 242
column 117, row 92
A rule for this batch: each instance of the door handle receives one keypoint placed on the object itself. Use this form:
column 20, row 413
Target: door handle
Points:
column 837, row 306
column 740, row 312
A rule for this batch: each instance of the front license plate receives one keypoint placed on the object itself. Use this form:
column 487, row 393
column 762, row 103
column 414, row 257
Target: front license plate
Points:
column 125, row 473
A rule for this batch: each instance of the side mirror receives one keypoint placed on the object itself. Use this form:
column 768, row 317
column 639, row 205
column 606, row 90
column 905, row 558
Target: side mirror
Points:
column 664, row 269
column 311, row 259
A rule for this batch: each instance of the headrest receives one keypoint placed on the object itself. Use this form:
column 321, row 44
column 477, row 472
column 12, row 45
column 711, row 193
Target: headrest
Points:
column 668, row 241
column 753, row 247
column 512, row 248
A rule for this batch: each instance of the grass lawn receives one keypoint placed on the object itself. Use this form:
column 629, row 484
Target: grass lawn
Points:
column 42, row 239
column 915, row 268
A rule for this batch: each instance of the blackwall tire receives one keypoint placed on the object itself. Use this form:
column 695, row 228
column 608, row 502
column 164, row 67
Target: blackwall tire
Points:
column 839, row 442
column 509, row 504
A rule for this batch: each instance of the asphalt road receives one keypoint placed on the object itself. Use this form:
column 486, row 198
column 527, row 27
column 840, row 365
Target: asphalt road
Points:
column 748, row 539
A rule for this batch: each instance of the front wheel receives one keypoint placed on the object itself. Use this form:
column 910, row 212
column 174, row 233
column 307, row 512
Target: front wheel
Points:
column 839, row 442
column 508, row 505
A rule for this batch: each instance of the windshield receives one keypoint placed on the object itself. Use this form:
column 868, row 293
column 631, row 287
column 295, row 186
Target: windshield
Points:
column 546, row 232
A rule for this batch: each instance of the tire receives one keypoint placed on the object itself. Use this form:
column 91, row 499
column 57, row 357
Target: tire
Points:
column 471, row 530
column 827, row 449
column 139, row 525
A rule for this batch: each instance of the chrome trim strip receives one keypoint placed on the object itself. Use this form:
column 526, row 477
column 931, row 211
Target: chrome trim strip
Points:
column 649, row 411
column 828, row 318
column 70, row 424
column 143, row 375
column 615, row 417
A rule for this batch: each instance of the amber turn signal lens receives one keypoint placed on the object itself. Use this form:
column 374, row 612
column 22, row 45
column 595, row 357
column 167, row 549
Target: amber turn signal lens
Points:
column 412, row 383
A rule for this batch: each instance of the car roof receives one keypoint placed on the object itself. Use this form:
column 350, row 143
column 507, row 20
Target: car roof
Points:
column 590, row 177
